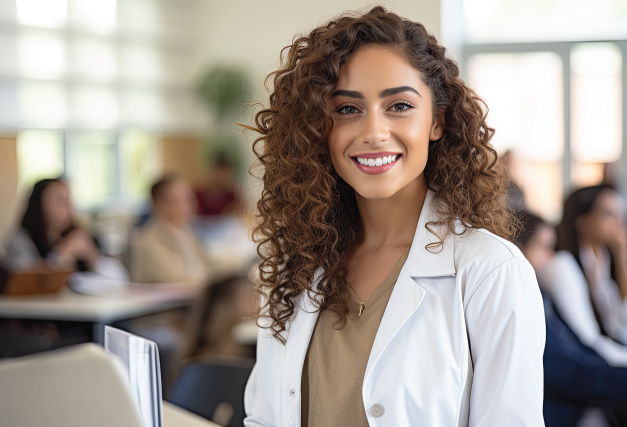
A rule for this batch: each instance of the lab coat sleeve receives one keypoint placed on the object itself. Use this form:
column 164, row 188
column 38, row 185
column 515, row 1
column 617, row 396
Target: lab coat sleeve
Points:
column 258, row 397
column 505, row 323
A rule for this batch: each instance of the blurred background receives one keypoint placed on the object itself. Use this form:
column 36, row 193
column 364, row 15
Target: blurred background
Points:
column 113, row 93
column 132, row 103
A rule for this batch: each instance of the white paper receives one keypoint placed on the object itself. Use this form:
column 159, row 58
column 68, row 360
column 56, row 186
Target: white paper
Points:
column 140, row 358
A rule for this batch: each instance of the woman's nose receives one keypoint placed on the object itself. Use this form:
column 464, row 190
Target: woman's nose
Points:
column 375, row 129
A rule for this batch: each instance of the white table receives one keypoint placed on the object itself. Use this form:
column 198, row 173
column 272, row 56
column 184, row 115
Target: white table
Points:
column 134, row 301
column 173, row 416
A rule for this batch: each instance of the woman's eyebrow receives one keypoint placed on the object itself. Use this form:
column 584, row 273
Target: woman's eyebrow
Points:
column 348, row 93
column 382, row 94
column 395, row 90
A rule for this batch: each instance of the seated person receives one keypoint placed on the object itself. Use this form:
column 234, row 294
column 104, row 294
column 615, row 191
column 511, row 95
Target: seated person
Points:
column 165, row 249
column 48, row 233
column 218, row 310
column 575, row 375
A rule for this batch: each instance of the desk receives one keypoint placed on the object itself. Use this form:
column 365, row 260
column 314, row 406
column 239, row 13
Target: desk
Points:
column 135, row 301
column 173, row 416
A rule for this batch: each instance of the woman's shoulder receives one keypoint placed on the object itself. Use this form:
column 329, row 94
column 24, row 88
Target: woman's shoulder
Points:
column 562, row 271
column 478, row 245
column 20, row 251
column 18, row 239
column 480, row 253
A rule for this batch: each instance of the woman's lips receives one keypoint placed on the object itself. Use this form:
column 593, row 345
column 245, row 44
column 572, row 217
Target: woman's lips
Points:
column 375, row 170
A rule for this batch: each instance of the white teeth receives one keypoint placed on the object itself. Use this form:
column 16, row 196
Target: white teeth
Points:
column 379, row 161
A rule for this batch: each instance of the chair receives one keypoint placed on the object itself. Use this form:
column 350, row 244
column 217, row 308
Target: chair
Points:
column 214, row 389
column 72, row 387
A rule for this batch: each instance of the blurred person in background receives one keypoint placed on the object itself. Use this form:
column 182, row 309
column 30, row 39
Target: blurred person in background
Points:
column 587, row 277
column 222, row 306
column 48, row 233
column 592, row 245
column 49, row 239
column 217, row 193
column 165, row 249
column 576, row 377
column 515, row 195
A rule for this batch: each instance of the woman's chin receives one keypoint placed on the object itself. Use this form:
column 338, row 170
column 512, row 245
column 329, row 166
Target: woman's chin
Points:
column 376, row 193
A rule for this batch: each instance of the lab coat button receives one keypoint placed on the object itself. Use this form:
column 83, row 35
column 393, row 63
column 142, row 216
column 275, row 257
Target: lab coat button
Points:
column 376, row 410
column 292, row 392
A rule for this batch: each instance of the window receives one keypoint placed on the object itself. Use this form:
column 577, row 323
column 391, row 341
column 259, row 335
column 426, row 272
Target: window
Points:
column 558, row 65
column 91, row 167
column 39, row 156
column 524, row 96
column 102, row 64
column 140, row 164
column 596, row 128
column 101, row 167
column 499, row 21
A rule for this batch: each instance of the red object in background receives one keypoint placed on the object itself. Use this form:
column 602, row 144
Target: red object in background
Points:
column 215, row 203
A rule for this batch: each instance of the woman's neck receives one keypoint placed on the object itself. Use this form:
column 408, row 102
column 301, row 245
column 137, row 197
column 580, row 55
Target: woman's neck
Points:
column 391, row 221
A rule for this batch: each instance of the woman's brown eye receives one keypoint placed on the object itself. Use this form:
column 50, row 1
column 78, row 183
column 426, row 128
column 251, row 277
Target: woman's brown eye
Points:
column 348, row 109
column 401, row 106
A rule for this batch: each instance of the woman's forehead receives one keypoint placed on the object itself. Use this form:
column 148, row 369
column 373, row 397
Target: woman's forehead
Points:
column 375, row 68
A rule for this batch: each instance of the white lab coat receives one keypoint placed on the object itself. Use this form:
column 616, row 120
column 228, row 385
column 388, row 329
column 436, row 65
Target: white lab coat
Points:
column 460, row 343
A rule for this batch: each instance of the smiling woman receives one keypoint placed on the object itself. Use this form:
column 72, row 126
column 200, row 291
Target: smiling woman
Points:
column 385, row 269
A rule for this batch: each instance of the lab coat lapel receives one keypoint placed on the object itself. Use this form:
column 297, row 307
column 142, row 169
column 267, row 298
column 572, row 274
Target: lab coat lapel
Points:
column 407, row 294
column 299, row 334
column 404, row 301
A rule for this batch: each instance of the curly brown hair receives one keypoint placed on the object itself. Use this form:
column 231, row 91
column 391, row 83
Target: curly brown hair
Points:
column 308, row 214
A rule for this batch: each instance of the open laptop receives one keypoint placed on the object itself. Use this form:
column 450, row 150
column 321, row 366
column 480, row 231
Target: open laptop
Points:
column 83, row 386
column 76, row 386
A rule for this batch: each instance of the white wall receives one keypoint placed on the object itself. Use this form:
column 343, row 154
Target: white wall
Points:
column 252, row 33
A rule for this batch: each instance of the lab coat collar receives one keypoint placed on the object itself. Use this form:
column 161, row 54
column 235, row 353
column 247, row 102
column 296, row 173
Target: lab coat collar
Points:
column 406, row 297
column 423, row 262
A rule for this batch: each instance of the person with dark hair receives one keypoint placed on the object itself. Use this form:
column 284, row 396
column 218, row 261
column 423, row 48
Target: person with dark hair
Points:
column 165, row 249
column 576, row 377
column 587, row 279
column 392, row 295
column 48, row 233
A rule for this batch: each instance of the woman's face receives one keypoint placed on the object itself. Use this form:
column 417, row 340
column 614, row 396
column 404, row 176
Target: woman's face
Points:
column 57, row 207
column 382, row 123
column 177, row 203
column 606, row 219
column 540, row 247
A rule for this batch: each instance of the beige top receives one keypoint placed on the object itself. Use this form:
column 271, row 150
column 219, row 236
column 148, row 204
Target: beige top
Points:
column 336, row 360
column 160, row 253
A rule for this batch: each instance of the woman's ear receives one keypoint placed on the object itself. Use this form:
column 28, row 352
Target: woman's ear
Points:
column 437, row 128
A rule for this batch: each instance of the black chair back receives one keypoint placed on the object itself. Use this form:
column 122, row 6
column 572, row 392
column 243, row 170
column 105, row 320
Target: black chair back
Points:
column 214, row 390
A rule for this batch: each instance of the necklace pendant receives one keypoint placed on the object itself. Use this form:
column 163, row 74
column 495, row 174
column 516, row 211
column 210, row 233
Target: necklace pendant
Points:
column 361, row 308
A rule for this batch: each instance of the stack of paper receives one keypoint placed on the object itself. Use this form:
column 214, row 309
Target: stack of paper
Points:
column 140, row 357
